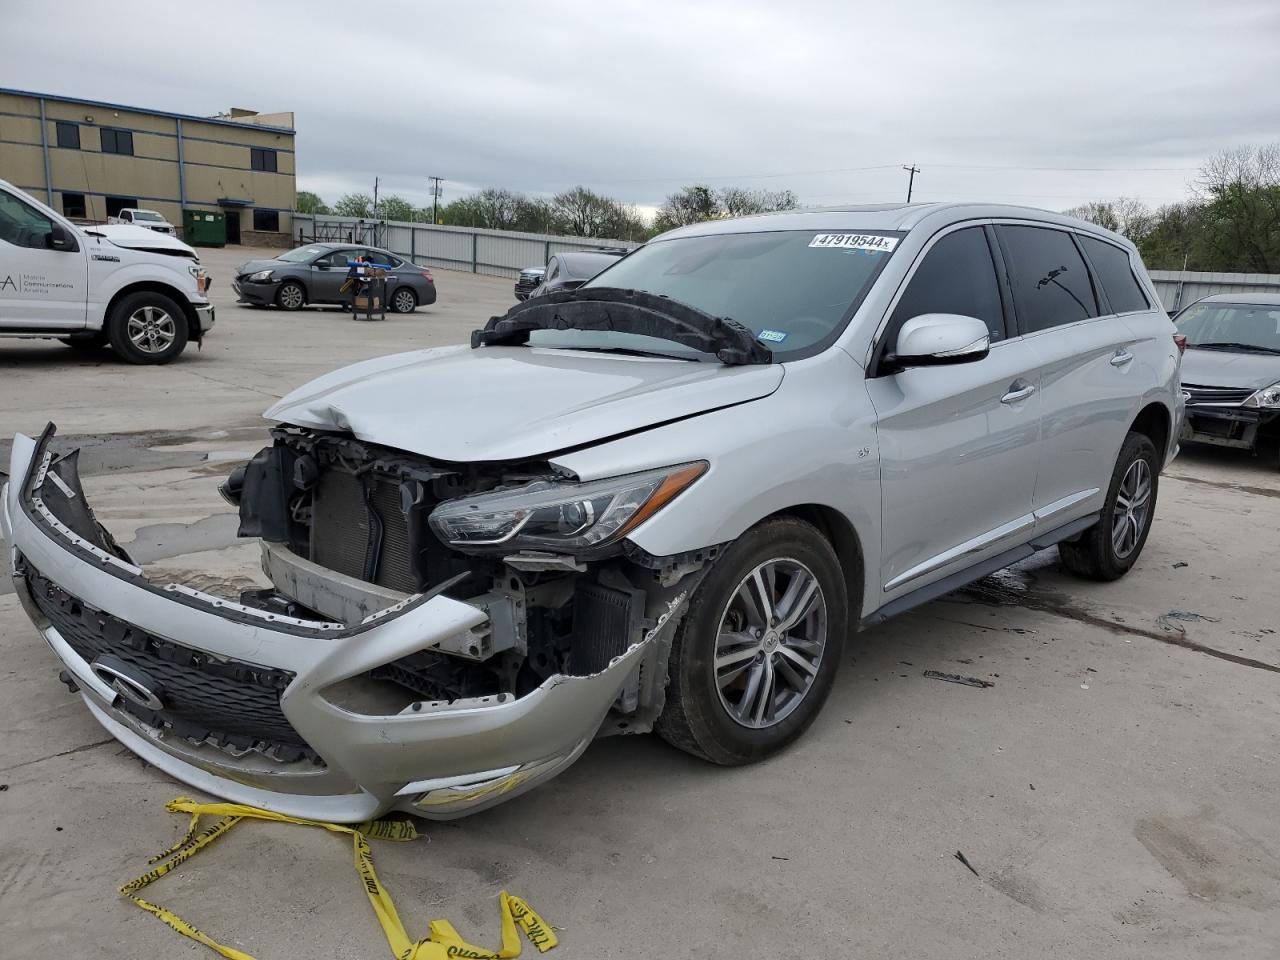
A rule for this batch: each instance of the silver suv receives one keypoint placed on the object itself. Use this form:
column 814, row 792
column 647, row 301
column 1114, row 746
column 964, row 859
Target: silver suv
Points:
column 659, row 502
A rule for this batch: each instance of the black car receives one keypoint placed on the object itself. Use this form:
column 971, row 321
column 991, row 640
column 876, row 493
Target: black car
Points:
column 565, row 271
column 316, row 272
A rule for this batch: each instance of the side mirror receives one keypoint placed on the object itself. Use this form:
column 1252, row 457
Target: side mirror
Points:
column 321, row 265
column 937, row 339
column 59, row 239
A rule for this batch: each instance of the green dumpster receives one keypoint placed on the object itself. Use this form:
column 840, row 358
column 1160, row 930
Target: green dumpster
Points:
column 203, row 228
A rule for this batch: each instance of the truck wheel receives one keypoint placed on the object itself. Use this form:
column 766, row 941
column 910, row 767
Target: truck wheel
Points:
column 291, row 296
column 755, row 656
column 1110, row 547
column 147, row 327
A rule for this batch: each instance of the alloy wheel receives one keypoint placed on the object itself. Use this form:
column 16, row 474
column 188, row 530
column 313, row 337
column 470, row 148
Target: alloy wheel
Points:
column 770, row 642
column 151, row 329
column 404, row 301
column 1133, row 508
column 291, row 296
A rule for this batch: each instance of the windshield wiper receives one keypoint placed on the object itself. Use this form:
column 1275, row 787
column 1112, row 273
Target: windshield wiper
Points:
column 626, row 352
column 625, row 311
column 1227, row 345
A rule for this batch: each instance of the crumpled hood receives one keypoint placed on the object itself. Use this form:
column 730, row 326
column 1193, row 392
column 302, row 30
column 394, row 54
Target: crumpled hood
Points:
column 512, row 403
column 253, row 266
column 1220, row 368
column 140, row 238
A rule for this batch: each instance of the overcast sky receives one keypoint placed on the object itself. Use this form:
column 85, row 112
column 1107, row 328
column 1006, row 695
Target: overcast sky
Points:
column 1048, row 104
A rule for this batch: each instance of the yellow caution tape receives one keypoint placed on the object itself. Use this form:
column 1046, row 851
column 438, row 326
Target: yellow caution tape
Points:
column 442, row 943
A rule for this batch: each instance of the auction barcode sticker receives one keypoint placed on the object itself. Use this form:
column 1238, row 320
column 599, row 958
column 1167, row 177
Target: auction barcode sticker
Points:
column 854, row 241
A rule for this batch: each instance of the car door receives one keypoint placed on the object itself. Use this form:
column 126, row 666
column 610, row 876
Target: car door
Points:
column 1088, row 381
column 957, row 442
column 40, row 288
column 326, row 284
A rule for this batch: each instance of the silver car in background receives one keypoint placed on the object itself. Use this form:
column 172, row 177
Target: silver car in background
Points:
column 661, row 501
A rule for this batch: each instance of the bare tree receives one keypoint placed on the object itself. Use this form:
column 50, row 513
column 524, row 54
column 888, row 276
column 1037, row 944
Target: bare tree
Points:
column 1240, row 189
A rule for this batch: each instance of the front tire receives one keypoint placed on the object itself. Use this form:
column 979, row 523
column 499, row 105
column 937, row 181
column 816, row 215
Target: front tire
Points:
column 404, row 300
column 755, row 656
column 1110, row 548
column 147, row 328
column 291, row 296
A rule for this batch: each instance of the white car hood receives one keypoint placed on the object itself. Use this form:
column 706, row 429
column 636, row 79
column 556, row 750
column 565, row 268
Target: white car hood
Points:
column 139, row 238
column 511, row 403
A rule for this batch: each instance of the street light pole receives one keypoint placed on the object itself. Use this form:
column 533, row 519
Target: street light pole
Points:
column 435, row 198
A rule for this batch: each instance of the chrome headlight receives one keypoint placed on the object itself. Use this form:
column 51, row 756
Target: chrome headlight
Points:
column 1266, row 399
column 564, row 517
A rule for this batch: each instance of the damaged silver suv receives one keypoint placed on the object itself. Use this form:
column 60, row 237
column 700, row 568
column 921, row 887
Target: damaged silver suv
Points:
column 659, row 502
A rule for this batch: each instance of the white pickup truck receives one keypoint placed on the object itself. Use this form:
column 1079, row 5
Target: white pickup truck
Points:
column 144, row 218
column 140, row 291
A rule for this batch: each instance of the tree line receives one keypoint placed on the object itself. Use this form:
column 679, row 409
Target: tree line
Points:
column 579, row 212
column 1229, row 224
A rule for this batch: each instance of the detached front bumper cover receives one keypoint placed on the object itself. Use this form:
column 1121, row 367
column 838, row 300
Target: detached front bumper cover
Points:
column 436, row 759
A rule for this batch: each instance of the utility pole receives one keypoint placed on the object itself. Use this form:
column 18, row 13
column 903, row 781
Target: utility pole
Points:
column 435, row 198
column 913, row 170
column 375, row 198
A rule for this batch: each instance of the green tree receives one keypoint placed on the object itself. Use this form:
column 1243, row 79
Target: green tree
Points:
column 354, row 205
column 397, row 208
column 741, row 202
column 308, row 202
column 1240, row 190
column 585, row 213
column 688, row 205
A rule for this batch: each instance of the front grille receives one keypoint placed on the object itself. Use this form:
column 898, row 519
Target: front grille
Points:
column 1226, row 396
column 349, row 514
column 232, row 703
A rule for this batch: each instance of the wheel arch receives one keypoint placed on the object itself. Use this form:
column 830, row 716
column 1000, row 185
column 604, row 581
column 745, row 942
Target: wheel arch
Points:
column 1155, row 422
column 165, row 290
column 844, row 539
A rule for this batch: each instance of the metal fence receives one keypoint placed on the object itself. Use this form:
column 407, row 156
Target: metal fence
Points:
column 498, row 253
column 1177, row 288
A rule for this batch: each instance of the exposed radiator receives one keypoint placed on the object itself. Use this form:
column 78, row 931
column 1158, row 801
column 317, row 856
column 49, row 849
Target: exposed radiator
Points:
column 344, row 524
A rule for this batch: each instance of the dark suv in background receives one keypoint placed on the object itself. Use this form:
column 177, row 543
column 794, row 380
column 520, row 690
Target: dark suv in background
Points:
column 565, row 271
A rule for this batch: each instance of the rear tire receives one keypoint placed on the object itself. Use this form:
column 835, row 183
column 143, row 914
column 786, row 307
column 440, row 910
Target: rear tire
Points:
column 735, row 695
column 404, row 300
column 147, row 328
column 291, row 296
column 1109, row 549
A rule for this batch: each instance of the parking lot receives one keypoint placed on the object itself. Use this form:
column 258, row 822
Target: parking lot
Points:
column 1113, row 789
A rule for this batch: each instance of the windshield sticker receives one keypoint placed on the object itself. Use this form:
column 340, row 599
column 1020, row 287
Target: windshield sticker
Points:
column 855, row 241
column 771, row 336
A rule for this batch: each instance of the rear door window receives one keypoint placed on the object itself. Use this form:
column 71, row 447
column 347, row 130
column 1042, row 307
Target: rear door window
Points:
column 957, row 275
column 1114, row 271
column 1051, row 285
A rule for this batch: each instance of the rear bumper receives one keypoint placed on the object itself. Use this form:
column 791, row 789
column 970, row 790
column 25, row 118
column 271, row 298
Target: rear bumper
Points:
column 438, row 760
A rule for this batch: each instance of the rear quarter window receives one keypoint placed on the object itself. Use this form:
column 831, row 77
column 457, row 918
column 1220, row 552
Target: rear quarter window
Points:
column 1114, row 271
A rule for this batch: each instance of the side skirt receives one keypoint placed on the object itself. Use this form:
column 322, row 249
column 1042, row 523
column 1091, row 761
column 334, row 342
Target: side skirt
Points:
column 954, row 581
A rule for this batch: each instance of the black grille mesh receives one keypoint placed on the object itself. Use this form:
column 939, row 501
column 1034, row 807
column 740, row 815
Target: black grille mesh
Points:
column 235, row 703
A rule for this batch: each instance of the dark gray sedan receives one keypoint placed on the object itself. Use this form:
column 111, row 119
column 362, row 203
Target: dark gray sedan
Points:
column 1231, row 370
column 315, row 274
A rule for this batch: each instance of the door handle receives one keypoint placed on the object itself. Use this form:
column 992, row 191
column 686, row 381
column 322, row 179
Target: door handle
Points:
column 1121, row 357
column 1018, row 390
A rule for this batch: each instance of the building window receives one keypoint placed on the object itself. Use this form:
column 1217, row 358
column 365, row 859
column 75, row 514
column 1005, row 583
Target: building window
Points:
column 116, row 204
column 117, row 141
column 68, row 135
column 73, row 206
column 262, row 159
column 268, row 221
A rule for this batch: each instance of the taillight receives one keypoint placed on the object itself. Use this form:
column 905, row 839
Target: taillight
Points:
column 1180, row 341
column 427, row 274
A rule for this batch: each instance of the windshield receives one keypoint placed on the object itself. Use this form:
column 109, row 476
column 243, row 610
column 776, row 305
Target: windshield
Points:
column 1240, row 326
column 302, row 253
column 794, row 289
column 147, row 215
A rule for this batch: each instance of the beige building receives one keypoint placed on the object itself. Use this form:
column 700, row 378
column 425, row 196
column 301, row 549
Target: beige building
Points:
column 89, row 159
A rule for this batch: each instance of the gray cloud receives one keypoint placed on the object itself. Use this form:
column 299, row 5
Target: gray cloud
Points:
column 638, row 98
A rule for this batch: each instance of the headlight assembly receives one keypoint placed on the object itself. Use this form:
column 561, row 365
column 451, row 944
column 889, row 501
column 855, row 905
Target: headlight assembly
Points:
column 1266, row 399
column 561, row 517
column 262, row 276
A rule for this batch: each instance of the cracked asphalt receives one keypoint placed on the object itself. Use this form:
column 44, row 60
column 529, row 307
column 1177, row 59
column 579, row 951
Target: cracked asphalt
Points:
column 1112, row 793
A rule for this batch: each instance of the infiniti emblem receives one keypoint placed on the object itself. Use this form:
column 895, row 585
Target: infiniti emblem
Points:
column 129, row 681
